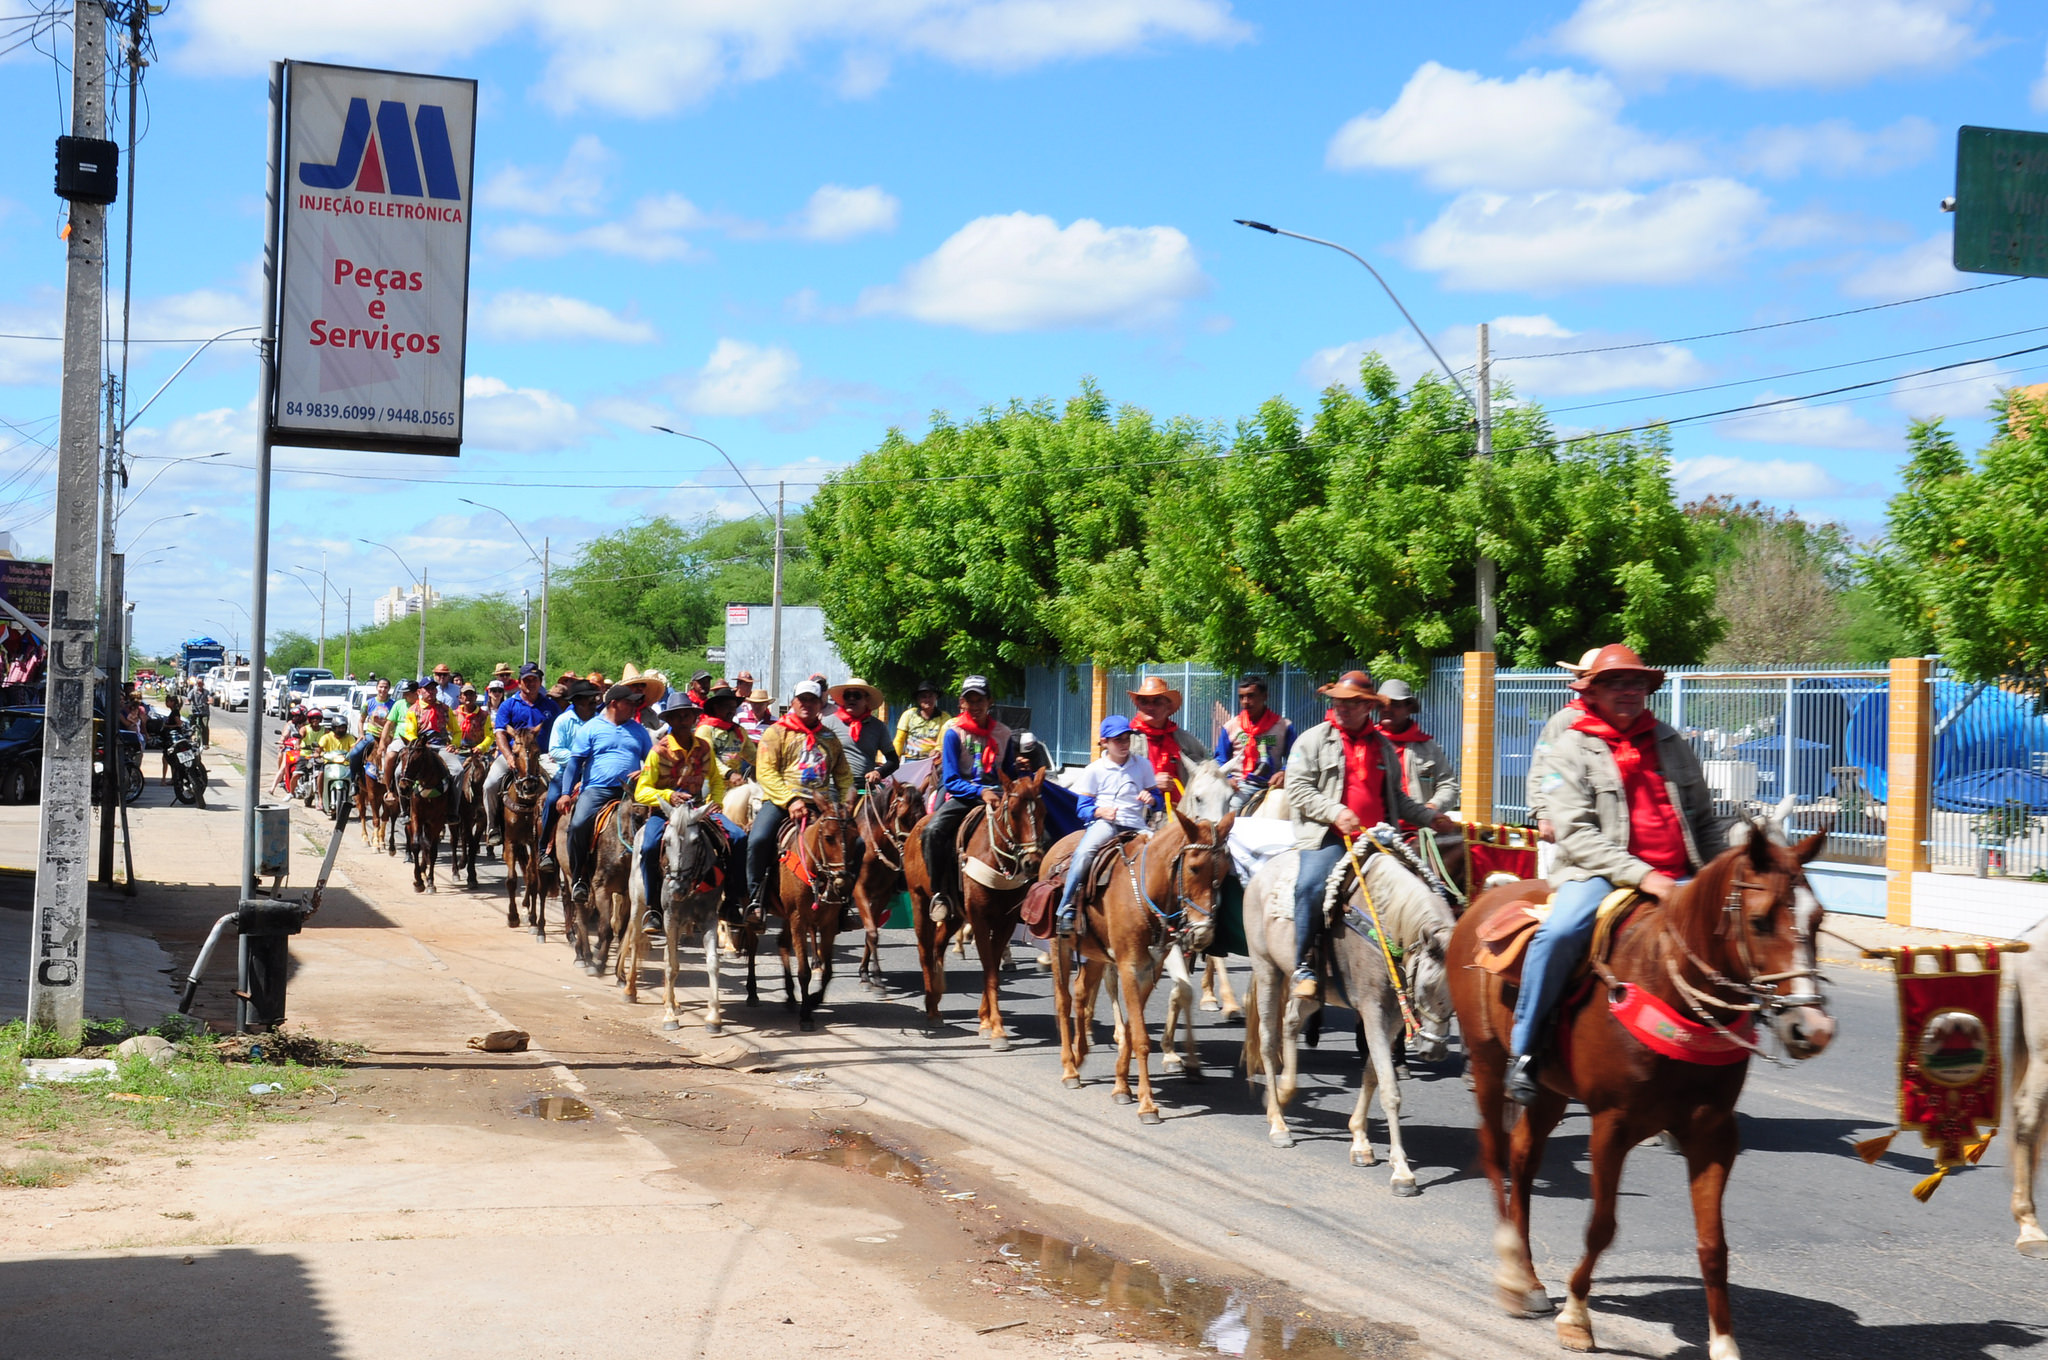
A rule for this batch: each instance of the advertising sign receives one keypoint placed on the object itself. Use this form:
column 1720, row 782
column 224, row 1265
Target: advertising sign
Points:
column 374, row 290
column 26, row 586
column 2001, row 202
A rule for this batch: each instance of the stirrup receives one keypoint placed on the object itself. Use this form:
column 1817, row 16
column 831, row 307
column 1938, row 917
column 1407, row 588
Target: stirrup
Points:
column 1306, row 987
column 938, row 909
column 1522, row 1085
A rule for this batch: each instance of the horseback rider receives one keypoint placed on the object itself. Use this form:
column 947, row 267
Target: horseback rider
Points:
column 919, row 729
column 756, row 713
column 529, row 708
column 735, row 748
column 1558, row 724
column 394, row 721
column 582, row 698
column 470, row 728
column 869, row 752
column 683, row 767
column 1342, row 778
column 1426, row 772
column 373, row 728
column 1252, row 747
column 1158, row 740
column 1115, row 792
column 973, row 749
column 801, row 762
column 1631, row 808
column 605, row 757
column 446, row 687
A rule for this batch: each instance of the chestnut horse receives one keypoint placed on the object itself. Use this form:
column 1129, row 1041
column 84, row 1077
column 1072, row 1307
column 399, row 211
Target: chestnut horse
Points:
column 885, row 820
column 812, row 885
column 520, row 807
column 429, row 792
column 466, row 826
column 371, row 809
column 1009, row 842
column 1156, row 911
column 1733, row 945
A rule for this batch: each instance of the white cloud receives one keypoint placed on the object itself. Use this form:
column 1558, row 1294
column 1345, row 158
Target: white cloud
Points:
column 497, row 415
column 550, row 316
column 1961, row 394
column 745, row 379
column 1826, row 427
column 837, row 213
column 1771, row 43
column 1521, row 345
column 575, row 187
column 1024, row 271
column 1772, row 479
column 1541, row 130
column 606, row 54
column 1919, row 269
column 1565, row 238
column 1837, row 148
column 2037, row 93
column 27, row 363
column 651, row 232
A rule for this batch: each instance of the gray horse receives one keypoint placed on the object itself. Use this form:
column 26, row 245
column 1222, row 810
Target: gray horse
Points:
column 690, row 850
column 1418, row 925
column 2029, row 974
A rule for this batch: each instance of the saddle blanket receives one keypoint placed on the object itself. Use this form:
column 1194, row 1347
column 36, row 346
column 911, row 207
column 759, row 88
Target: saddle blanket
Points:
column 1504, row 940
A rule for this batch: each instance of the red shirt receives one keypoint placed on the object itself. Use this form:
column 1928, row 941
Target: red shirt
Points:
column 1654, row 835
column 1365, row 781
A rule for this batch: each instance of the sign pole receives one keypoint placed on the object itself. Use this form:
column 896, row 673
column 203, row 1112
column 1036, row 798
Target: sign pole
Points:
column 544, row 561
column 56, row 979
column 265, row 399
column 775, row 617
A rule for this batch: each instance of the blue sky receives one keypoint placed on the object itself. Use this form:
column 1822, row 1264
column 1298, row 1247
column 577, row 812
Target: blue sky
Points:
column 788, row 226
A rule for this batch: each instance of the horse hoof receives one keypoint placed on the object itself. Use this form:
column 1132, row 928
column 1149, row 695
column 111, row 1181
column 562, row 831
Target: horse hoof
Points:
column 1536, row 1302
column 540, row 936
column 1071, row 1083
column 1364, row 1158
column 671, row 1024
column 1194, row 1074
column 1209, row 1004
column 1280, row 1140
column 2033, row 1248
column 807, row 1024
column 1405, row 1189
column 1233, row 1014
column 1149, row 1117
column 1122, row 1098
column 715, row 1031
column 998, row 1043
column 1574, row 1337
column 986, row 1031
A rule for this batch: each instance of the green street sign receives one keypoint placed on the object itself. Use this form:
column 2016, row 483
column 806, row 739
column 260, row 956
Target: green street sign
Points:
column 2001, row 202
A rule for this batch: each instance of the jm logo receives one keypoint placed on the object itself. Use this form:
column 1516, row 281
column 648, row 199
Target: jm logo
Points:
column 384, row 163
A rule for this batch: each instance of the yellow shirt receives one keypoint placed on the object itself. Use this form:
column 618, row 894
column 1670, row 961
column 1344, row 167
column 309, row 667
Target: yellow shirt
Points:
column 671, row 768
column 781, row 765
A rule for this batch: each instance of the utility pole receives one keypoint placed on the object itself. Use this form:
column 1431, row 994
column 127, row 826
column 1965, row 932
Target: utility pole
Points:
column 422, row 671
column 775, row 610
column 109, row 623
column 544, row 560
column 322, row 661
column 56, row 979
column 348, row 628
column 1489, row 613
column 525, row 626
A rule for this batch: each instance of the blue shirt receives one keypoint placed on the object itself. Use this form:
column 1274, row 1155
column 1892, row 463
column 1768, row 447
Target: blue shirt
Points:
column 564, row 734
column 515, row 713
column 451, row 694
column 607, row 755
column 960, row 762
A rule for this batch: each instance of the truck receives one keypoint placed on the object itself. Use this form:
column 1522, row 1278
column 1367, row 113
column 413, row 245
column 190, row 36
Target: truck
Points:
column 199, row 655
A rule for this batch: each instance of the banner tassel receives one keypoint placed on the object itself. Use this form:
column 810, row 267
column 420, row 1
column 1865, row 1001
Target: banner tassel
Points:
column 1870, row 1149
column 1975, row 1151
column 1924, row 1191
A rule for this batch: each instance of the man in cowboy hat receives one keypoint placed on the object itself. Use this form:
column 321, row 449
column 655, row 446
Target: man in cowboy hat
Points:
column 1252, row 748
column 529, row 708
column 581, row 702
column 1343, row 777
column 681, row 767
column 919, row 729
column 800, row 762
column 734, row 746
column 1426, row 772
column 446, row 687
column 1157, row 740
column 604, row 759
column 869, row 752
column 1559, row 723
column 975, row 752
column 743, row 685
column 1631, row 809
column 757, row 713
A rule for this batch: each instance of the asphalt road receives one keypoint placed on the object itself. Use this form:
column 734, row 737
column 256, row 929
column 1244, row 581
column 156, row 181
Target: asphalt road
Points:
column 1831, row 1258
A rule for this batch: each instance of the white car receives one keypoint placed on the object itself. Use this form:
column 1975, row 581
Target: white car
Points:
column 330, row 696
column 235, row 691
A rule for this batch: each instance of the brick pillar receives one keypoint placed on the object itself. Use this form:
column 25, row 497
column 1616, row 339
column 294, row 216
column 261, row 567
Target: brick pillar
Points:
column 1098, row 705
column 1909, row 780
column 1475, row 762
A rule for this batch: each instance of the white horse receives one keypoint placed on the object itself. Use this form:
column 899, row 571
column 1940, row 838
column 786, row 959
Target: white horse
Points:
column 691, row 847
column 2029, row 974
column 1418, row 925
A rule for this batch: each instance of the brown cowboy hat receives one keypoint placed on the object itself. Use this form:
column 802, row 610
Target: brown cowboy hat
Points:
column 1152, row 687
column 1617, row 659
column 1352, row 685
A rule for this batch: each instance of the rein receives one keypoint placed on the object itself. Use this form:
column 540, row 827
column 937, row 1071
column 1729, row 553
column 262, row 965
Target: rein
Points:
column 882, row 835
column 1005, row 853
column 835, row 873
column 1177, row 923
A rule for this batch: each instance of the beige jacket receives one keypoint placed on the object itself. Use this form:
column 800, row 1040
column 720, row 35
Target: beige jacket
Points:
column 1315, row 785
column 1560, row 723
column 1431, row 777
column 1582, row 796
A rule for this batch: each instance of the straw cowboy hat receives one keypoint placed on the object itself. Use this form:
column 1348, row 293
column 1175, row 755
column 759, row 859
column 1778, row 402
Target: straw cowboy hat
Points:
column 757, row 695
column 876, row 702
column 1152, row 687
column 1580, row 667
column 1617, row 659
column 503, row 671
column 652, row 684
column 1353, row 685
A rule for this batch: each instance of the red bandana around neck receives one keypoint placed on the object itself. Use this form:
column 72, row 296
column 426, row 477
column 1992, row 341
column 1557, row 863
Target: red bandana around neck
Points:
column 722, row 724
column 1628, row 743
column 853, row 724
column 1253, row 729
column 794, row 723
column 985, row 733
column 1412, row 734
column 1162, row 747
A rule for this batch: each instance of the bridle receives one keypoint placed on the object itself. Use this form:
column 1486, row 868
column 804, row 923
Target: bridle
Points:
column 1007, row 850
column 833, row 887
column 869, row 818
column 1187, row 914
column 1759, row 990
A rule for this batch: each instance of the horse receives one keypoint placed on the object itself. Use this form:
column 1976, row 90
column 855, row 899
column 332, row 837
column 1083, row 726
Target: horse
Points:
column 371, row 809
column 466, row 831
column 742, row 801
column 885, row 820
column 612, row 855
column 1723, row 949
column 2029, row 974
column 1007, row 842
column 1183, row 863
column 430, row 789
column 520, row 807
column 691, row 852
column 1417, row 926
column 811, row 887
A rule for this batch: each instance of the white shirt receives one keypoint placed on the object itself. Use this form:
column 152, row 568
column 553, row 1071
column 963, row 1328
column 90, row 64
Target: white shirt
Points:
column 1119, row 788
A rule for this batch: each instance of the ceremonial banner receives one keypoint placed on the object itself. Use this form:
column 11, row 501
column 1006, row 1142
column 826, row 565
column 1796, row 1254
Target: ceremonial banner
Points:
column 1950, row 1078
column 1509, row 850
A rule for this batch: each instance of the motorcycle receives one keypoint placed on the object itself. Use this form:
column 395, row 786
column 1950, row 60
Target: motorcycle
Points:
column 188, row 771
column 131, row 769
column 305, row 776
column 337, row 784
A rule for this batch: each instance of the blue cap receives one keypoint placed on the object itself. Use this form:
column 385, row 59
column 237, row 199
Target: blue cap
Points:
column 530, row 668
column 1115, row 725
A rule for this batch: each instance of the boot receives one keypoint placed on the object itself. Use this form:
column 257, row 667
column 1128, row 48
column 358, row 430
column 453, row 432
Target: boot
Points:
column 1522, row 1083
column 1305, row 984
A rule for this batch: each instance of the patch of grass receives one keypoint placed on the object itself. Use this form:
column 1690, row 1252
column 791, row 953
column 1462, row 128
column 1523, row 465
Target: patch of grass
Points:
column 182, row 1213
column 42, row 1171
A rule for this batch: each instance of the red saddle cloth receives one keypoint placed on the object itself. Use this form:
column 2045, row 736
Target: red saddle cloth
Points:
column 1039, row 911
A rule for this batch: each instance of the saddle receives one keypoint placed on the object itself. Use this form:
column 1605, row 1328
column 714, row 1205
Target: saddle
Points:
column 609, row 815
column 980, row 870
column 1504, row 939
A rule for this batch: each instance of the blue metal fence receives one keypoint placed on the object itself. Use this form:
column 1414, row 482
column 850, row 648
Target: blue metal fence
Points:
column 1990, row 795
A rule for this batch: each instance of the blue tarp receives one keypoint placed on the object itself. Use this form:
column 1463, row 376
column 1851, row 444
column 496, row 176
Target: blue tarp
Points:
column 1998, row 732
column 1986, row 790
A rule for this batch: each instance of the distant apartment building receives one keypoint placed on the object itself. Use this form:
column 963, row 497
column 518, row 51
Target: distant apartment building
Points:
column 402, row 602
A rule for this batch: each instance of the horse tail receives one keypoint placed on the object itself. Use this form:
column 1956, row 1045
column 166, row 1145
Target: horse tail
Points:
column 1254, row 1037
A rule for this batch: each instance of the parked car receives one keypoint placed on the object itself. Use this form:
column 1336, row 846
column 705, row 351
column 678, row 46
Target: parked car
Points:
column 329, row 695
column 21, row 755
column 235, row 689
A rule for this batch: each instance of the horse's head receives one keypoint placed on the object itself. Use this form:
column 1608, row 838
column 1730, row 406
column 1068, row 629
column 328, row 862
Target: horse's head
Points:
column 1429, row 992
column 1770, row 919
column 903, row 811
column 832, row 853
column 1017, row 825
column 1198, row 869
column 1206, row 793
column 691, row 856
column 525, row 762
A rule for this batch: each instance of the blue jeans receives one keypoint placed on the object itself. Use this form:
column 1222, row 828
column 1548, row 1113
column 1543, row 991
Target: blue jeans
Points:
column 650, row 853
column 557, row 786
column 357, row 754
column 582, row 822
column 1554, row 951
column 1098, row 834
column 1313, row 876
column 761, row 845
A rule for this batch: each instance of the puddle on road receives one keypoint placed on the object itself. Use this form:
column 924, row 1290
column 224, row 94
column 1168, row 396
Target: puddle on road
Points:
column 858, row 1152
column 554, row 1107
column 1227, row 1319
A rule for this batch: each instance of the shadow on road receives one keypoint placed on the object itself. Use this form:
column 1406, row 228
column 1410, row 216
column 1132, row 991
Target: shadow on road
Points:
column 227, row 1304
column 1776, row 1326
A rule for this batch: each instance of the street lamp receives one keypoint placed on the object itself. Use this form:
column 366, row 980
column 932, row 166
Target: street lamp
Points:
column 1488, row 618
column 153, row 523
column 775, row 602
column 195, row 458
column 324, row 588
column 423, row 596
column 541, row 560
column 321, row 657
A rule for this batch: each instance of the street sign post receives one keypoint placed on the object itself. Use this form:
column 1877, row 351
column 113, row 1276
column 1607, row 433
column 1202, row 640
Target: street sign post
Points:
column 2001, row 202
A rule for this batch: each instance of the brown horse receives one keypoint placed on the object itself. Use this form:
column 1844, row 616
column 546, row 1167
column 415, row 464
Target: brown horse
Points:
column 466, row 829
column 1733, row 945
column 1155, row 912
column 811, row 887
column 429, row 791
column 520, row 811
column 1008, row 843
column 885, row 820
column 371, row 808
column 607, row 915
